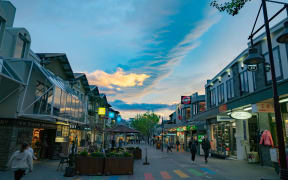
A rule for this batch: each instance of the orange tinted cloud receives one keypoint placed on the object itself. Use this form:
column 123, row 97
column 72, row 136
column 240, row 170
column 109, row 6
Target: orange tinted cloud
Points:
column 119, row 78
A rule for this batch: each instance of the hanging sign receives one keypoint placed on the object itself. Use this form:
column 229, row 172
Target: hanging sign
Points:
column 101, row 111
column 224, row 118
column 241, row 115
column 263, row 107
column 185, row 99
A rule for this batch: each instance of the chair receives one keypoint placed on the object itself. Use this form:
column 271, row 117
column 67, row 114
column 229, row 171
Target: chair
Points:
column 63, row 160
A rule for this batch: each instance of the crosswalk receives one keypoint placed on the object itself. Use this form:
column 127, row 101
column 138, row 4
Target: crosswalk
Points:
column 186, row 173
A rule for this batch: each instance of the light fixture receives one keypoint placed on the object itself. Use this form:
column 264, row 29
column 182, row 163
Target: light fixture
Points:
column 253, row 57
column 228, row 72
column 219, row 79
column 247, row 108
column 283, row 100
column 241, row 115
column 283, row 38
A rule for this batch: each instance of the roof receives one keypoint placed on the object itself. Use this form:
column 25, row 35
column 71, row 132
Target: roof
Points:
column 122, row 129
column 62, row 58
column 82, row 77
column 94, row 89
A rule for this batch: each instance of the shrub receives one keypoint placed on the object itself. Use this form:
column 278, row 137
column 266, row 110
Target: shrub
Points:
column 97, row 154
column 84, row 153
column 127, row 154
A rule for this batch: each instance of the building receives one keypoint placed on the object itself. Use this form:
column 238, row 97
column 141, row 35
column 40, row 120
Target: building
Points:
column 240, row 105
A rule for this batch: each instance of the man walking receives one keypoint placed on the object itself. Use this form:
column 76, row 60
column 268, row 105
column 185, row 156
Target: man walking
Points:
column 193, row 148
column 169, row 147
column 178, row 145
column 206, row 148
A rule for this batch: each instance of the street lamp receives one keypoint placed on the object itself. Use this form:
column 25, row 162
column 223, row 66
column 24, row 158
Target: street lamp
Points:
column 253, row 57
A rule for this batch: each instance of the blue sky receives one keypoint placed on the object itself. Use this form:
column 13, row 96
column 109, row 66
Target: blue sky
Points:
column 142, row 53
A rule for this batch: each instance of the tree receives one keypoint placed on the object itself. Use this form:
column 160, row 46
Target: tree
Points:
column 145, row 123
column 232, row 7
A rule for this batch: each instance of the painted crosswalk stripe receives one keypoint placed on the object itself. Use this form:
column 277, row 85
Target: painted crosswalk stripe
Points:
column 181, row 174
column 148, row 176
column 208, row 171
column 165, row 175
column 114, row 178
column 195, row 172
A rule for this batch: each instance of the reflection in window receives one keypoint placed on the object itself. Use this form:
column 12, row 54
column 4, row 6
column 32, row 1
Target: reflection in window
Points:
column 244, row 82
column 63, row 104
column 230, row 88
column 43, row 104
column 277, row 64
column 57, row 101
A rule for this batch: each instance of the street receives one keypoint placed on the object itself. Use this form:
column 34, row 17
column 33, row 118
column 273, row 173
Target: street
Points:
column 175, row 165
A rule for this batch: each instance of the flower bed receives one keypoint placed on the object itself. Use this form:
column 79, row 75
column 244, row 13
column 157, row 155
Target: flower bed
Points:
column 119, row 163
column 92, row 164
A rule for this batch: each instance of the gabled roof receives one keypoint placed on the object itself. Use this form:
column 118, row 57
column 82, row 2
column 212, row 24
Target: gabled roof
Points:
column 46, row 58
column 82, row 77
column 94, row 89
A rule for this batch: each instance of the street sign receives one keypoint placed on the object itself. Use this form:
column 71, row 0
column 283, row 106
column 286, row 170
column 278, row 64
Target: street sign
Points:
column 252, row 68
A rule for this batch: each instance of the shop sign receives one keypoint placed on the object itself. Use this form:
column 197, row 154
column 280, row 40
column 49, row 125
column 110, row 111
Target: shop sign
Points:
column 241, row 115
column 263, row 107
column 101, row 111
column 111, row 114
column 185, row 99
column 223, row 108
column 191, row 128
column 224, row 118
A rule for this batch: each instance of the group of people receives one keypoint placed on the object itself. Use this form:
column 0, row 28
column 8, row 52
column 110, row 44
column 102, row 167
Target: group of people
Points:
column 21, row 161
column 193, row 143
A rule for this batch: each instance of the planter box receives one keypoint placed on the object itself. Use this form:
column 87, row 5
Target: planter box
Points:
column 119, row 166
column 87, row 165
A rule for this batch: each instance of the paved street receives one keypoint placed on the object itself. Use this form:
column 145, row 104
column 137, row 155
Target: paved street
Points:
column 164, row 166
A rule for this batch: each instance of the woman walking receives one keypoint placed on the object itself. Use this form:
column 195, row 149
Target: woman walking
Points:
column 193, row 148
column 21, row 161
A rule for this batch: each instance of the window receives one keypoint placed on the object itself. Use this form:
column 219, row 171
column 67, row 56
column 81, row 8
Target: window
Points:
column 220, row 91
column 20, row 47
column 244, row 82
column 254, row 80
column 277, row 64
column 2, row 28
column 213, row 97
column 230, row 88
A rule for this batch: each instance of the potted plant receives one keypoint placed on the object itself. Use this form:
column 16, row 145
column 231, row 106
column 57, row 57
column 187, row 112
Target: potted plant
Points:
column 92, row 164
column 137, row 153
column 118, row 163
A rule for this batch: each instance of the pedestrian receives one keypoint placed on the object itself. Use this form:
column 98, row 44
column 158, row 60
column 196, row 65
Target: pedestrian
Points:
column 193, row 148
column 178, row 145
column 169, row 147
column 31, row 151
column 206, row 148
column 113, row 143
column 21, row 161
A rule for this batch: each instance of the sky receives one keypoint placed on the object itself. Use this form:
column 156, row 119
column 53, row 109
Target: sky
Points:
column 143, row 54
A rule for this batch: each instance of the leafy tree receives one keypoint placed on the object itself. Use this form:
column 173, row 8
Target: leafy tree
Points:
column 145, row 123
column 232, row 7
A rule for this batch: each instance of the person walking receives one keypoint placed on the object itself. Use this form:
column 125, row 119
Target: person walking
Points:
column 193, row 148
column 168, row 147
column 178, row 145
column 21, row 161
column 31, row 151
column 206, row 148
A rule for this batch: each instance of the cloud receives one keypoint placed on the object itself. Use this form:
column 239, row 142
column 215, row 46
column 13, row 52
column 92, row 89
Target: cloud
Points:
column 116, row 79
column 121, row 105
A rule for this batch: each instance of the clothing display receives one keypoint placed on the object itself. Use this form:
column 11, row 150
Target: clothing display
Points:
column 266, row 139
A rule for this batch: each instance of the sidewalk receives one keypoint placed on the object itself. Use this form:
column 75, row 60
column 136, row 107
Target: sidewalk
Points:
column 163, row 166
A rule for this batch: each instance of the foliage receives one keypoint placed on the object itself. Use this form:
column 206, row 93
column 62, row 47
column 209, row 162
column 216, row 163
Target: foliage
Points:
column 114, row 154
column 84, row 153
column 145, row 123
column 127, row 154
column 97, row 154
column 232, row 7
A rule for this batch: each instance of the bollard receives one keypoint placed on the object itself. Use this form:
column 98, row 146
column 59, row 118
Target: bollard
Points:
column 146, row 159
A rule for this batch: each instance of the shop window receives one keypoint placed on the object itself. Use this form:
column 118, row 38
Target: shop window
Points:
column 244, row 82
column 213, row 97
column 230, row 88
column 44, row 99
column 277, row 64
column 220, row 91
column 20, row 47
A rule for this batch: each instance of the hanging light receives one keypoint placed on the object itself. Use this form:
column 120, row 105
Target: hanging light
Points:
column 253, row 57
column 283, row 38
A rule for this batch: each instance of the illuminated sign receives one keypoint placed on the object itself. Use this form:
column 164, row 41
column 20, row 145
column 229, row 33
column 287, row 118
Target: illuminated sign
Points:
column 185, row 99
column 241, row 115
column 101, row 111
column 111, row 114
column 119, row 118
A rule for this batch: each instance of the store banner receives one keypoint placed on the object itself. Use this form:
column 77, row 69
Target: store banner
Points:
column 224, row 118
column 263, row 107
column 223, row 108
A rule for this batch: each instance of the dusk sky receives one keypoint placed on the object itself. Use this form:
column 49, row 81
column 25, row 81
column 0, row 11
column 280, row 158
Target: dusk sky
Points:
column 144, row 54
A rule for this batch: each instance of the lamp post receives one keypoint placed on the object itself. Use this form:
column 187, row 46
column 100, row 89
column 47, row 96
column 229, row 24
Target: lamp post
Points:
column 162, row 135
column 254, row 58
